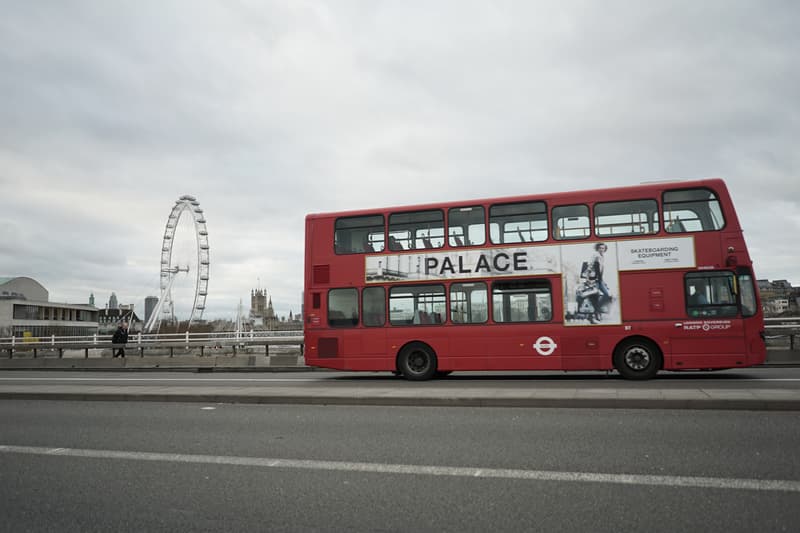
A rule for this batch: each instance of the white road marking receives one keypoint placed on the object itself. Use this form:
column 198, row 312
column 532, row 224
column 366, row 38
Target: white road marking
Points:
column 187, row 380
column 290, row 380
column 780, row 485
column 207, row 408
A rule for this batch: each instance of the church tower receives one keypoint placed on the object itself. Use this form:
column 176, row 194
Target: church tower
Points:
column 258, row 302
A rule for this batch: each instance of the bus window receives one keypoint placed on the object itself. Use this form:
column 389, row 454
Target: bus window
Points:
column 466, row 226
column 710, row 294
column 417, row 305
column 355, row 235
column 692, row 210
column 747, row 293
column 522, row 301
column 570, row 222
column 468, row 303
column 373, row 305
column 519, row 222
column 635, row 217
column 416, row 230
column 342, row 308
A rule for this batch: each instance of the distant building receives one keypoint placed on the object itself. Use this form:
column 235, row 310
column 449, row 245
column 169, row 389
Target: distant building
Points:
column 262, row 314
column 112, row 302
column 25, row 311
column 110, row 319
column 778, row 297
column 150, row 304
column 778, row 306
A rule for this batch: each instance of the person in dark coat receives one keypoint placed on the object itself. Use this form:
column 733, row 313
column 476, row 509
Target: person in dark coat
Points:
column 120, row 338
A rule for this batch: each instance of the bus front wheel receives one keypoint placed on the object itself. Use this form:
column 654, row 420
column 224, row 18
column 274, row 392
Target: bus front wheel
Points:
column 417, row 362
column 637, row 359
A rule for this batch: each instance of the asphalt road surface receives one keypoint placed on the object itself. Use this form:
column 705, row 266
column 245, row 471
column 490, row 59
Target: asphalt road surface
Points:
column 752, row 378
column 136, row 466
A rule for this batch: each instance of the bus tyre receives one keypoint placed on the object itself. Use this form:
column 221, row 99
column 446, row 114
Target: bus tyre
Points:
column 637, row 359
column 417, row 362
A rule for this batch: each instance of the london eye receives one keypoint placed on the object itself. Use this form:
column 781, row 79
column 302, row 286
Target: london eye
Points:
column 199, row 264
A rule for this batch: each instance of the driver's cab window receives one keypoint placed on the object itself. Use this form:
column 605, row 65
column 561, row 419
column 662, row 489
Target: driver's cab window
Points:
column 710, row 294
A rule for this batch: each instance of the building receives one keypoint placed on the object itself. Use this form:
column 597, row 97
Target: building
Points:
column 26, row 311
column 779, row 297
column 150, row 304
column 262, row 314
column 765, row 289
column 777, row 306
column 110, row 319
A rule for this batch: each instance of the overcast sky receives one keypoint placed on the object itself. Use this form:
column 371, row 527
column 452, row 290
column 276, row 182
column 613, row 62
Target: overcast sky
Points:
column 266, row 111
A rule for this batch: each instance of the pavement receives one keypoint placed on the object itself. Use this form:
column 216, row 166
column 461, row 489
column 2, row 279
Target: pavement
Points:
column 436, row 396
column 396, row 393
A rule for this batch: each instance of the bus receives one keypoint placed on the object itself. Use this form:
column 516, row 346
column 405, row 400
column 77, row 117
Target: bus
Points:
column 636, row 279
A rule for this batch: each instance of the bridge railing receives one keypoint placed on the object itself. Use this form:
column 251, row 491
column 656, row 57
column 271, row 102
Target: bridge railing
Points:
column 166, row 342
column 780, row 333
column 781, row 329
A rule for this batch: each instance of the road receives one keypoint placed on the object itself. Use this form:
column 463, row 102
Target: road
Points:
column 753, row 389
column 144, row 466
column 751, row 378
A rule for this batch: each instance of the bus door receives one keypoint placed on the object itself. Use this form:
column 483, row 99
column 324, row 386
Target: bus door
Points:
column 469, row 312
column 522, row 335
column 373, row 334
column 749, row 308
column 712, row 335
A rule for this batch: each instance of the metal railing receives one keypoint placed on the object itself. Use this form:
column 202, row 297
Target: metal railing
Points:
column 151, row 341
column 783, row 327
column 779, row 331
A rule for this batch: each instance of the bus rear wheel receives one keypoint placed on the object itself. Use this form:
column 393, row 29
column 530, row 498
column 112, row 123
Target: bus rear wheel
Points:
column 637, row 359
column 417, row 362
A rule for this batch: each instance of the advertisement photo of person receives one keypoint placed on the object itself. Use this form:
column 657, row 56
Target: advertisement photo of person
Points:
column 590, row 284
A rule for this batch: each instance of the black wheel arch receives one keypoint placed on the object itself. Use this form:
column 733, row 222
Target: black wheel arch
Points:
column 412, row 345
column 644, row 341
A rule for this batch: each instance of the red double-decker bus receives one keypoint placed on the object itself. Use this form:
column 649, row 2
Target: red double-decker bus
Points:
column 638, row 279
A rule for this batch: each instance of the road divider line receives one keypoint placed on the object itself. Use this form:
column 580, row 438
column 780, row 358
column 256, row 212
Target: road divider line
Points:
column 529, row 379
column 185, row 380
column 721, row 483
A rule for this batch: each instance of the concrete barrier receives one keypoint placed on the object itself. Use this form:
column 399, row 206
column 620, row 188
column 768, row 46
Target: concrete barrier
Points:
column 783, row 357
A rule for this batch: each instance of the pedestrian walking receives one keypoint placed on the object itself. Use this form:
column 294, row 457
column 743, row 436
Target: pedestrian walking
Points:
column 120, row 339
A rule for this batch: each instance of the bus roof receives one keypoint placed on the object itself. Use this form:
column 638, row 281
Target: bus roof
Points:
column 629, row 192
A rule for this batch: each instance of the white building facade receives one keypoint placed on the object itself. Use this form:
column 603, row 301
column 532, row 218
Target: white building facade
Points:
column 25, row 311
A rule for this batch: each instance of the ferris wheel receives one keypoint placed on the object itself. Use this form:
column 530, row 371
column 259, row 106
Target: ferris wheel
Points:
column 165, row 309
